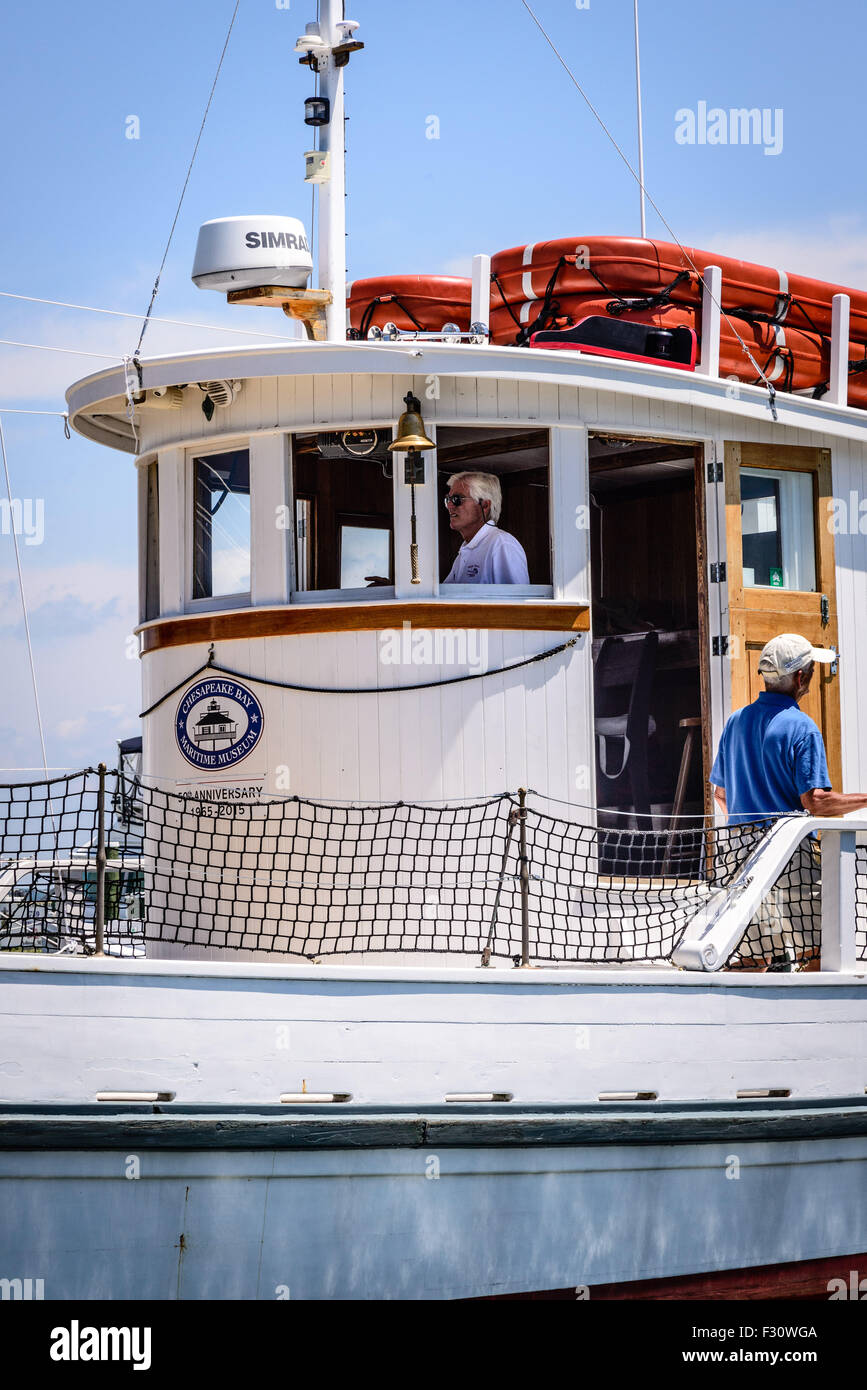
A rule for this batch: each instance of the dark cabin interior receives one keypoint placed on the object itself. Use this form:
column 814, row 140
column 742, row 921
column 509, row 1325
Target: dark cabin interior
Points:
column 343, row 493
column 644, row 529
column 342, row 488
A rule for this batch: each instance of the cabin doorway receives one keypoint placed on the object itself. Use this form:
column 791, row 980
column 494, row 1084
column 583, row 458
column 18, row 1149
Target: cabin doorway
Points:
column 649, row 616
column 781, row 570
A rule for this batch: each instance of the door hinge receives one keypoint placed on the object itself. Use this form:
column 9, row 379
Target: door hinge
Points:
column 720, row 646
column 832, row 669
column 715, row 471
column 718, row 572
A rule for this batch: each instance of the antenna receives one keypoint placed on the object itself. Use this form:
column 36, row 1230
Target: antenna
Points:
column 326, row 47
column 332, row 194
column 640, row 132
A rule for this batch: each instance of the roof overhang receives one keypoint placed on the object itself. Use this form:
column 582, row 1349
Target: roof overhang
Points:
column 98, row 407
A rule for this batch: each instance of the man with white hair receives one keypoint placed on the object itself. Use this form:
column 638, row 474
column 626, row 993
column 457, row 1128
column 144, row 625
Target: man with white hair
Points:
column 488, row 555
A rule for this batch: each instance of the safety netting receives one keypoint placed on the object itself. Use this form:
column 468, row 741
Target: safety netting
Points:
column 48, row 868
column 861, row 902
column 314, row 880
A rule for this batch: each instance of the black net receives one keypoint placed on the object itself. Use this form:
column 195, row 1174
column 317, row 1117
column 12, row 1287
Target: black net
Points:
column 786, row 932
column 861, row 902
column 315, row 880
column 48, row 873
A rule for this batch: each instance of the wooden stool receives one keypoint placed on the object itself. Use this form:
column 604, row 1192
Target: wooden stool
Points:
column 685, row 762
column 691, row 725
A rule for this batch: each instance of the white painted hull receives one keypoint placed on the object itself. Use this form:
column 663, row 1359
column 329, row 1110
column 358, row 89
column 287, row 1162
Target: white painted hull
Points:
column 241, row 1034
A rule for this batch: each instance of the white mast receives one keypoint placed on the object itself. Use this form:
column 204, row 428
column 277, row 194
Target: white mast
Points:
column 332, row 194
column 640, row 132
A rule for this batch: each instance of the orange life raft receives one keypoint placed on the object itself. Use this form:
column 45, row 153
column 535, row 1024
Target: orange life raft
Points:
column 792, row 360
column 423, row 302
column 633, row 266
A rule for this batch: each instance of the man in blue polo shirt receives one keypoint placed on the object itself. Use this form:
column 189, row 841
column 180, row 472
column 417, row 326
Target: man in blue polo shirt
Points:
column 771, row 762
column 771, row 758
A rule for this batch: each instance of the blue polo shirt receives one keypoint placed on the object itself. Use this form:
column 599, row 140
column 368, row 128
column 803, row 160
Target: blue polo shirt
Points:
column 770, row 752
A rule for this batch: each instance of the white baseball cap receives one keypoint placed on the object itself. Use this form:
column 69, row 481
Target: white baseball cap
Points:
column 788, row 653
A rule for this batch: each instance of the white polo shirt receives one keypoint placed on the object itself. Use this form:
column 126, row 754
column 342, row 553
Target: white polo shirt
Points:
column 491, row 557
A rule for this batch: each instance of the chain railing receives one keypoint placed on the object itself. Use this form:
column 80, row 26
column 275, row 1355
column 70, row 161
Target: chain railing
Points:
column 90, row 863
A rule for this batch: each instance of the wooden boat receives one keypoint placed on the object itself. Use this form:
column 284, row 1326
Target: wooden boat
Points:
column 327, row 1068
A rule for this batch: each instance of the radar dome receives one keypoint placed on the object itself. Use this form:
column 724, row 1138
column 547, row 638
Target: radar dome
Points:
column 237, row 253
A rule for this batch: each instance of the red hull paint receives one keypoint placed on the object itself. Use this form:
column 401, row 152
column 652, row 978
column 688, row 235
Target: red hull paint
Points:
column 806, row 1279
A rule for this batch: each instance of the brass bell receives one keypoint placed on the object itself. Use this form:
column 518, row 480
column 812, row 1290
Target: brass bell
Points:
column 410, row 429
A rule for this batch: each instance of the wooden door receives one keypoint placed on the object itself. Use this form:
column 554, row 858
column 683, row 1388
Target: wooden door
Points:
column 786, row 481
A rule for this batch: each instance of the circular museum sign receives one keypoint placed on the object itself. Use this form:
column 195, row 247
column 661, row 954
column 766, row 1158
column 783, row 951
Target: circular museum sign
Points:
column 218, row 723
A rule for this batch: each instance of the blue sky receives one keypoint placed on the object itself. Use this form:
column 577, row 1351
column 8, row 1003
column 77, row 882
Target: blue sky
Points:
column 86, row 213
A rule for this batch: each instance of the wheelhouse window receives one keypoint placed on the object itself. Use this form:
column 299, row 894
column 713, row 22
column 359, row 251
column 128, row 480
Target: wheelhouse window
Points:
column 221, row 524
column 504, row 488
column 777, row 526
column 344, row 510
column 152, row 543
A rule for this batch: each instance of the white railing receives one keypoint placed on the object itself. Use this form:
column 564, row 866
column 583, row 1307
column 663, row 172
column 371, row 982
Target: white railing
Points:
column 714, row 932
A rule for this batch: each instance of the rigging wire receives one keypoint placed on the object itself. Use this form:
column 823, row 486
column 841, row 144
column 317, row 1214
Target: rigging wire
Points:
column 120, row 313
column 14, row 410
column 46, row 347
column 562, row 61
column 156, row 287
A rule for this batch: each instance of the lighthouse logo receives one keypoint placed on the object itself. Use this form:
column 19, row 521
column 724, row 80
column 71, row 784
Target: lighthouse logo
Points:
column 218, row 723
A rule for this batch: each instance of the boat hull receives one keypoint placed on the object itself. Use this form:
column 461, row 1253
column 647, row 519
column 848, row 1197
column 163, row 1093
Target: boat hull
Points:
column 421, row 1205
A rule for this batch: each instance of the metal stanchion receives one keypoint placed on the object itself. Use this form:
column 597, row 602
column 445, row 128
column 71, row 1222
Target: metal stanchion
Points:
column 100, row 862
column 525, row 878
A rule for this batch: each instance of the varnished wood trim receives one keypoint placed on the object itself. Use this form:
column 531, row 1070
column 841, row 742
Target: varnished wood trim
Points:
column 704, row 722
column 303, row 619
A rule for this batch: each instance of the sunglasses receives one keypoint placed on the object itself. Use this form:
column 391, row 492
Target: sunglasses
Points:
column 454, row 499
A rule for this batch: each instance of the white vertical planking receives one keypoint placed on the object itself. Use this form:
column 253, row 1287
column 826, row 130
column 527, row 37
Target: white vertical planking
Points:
column 270, row 519
column 549, row 403
column 382, row 392
column 528, row 400
column 362, row 397
column 570, row 513
column 441, row 392
column 285, row 403
column 486, row 399
column 466, row 398
column 507, row 400
column 572, row 408
column 323, row 399
column 341, row 400
column 492, row 687
column 368, row 664
column 304, row 411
